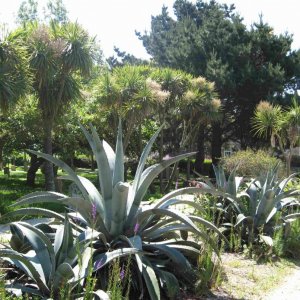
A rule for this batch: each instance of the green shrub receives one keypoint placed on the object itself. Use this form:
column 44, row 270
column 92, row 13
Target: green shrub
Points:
column 250, row 163
column 287, row 240
column 209, row 270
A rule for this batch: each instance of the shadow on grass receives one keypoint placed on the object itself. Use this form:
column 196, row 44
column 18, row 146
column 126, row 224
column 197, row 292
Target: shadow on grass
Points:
column 14, row 187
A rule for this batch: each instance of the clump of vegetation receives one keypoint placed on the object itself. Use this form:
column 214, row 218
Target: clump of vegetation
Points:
column 256, row 205
column 250, row 163
column 154, row 235
column 287, row 240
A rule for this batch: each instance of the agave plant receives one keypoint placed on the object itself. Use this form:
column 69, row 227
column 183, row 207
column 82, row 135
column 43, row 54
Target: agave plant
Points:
column 230, row 195
column 152, row 233
column 56, row 269
column 266, row 195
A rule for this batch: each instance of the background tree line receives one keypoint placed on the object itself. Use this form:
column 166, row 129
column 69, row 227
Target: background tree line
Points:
column 247, row 65
column 207, row 74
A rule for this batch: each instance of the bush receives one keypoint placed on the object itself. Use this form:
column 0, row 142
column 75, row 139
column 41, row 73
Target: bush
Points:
column 287, row 240
column 250, row 163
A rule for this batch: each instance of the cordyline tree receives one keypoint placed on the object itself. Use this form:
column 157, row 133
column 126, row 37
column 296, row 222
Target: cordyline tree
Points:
column 210, row 40
column 123, row 93
column 172, row 98
column 279, row 124
column 14, row 80
column 59, row 54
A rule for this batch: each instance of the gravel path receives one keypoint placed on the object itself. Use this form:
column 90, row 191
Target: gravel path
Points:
column 289, row 289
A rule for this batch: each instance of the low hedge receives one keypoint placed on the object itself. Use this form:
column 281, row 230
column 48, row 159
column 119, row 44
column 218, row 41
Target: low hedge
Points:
column 250, row 163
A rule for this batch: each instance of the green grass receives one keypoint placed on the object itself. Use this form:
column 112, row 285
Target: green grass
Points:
column 14, row 187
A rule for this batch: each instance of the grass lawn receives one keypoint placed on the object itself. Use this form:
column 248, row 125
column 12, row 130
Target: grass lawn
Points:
column 14, row 187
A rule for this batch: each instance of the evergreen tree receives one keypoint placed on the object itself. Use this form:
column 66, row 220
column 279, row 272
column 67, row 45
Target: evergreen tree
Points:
column 210, row 40
column 123, row 58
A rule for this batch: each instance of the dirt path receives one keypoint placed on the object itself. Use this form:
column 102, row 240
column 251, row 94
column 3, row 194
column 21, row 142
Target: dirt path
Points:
column 289, row 289
column 245, row 279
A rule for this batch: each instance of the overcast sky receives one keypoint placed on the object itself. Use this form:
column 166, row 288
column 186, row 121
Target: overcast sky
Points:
column 115, row 21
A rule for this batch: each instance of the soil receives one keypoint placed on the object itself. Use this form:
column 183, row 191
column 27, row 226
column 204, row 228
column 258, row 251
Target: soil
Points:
column 244, row 278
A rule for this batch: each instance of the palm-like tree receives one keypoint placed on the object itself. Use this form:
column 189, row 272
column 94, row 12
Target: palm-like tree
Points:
column 14, row 79
column 291, row 126
column 58, row 54
column 124, row 94
column 199, row 107
column 14, row 71
column 280, row 125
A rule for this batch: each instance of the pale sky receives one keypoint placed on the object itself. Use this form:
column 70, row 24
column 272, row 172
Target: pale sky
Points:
column 113, row 22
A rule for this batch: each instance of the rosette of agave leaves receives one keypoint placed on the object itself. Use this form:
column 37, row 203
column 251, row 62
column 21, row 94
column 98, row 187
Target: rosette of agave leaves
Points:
column 156, row 236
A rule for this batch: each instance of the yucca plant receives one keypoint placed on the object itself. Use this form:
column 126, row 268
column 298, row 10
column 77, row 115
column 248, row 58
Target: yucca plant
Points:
column 55, row 269
column 152, row 233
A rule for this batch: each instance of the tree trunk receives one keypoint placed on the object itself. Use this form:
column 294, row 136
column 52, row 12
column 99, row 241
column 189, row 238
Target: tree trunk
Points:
column 35, row 163
column 288, row 159
column 3, row 140
column 1, row 156
column 188, row 169
column 161, row 176
column 140, row 145
column 48, row 166
column 216, row 145
column 200, row 155
column 72, row 161
column 173, row 177
column 92, row 162
column 161, row 146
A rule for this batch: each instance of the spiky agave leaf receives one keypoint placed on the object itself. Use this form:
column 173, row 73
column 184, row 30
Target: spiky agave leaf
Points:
column 145, row 267
column 118, row 171
column 29, row 264
column 147, row 178
column 119, row 201
column 39, row 197
column 50, row 265
column 105, row 159
column 291, row 217
column 141, row 165
column 101, row 259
